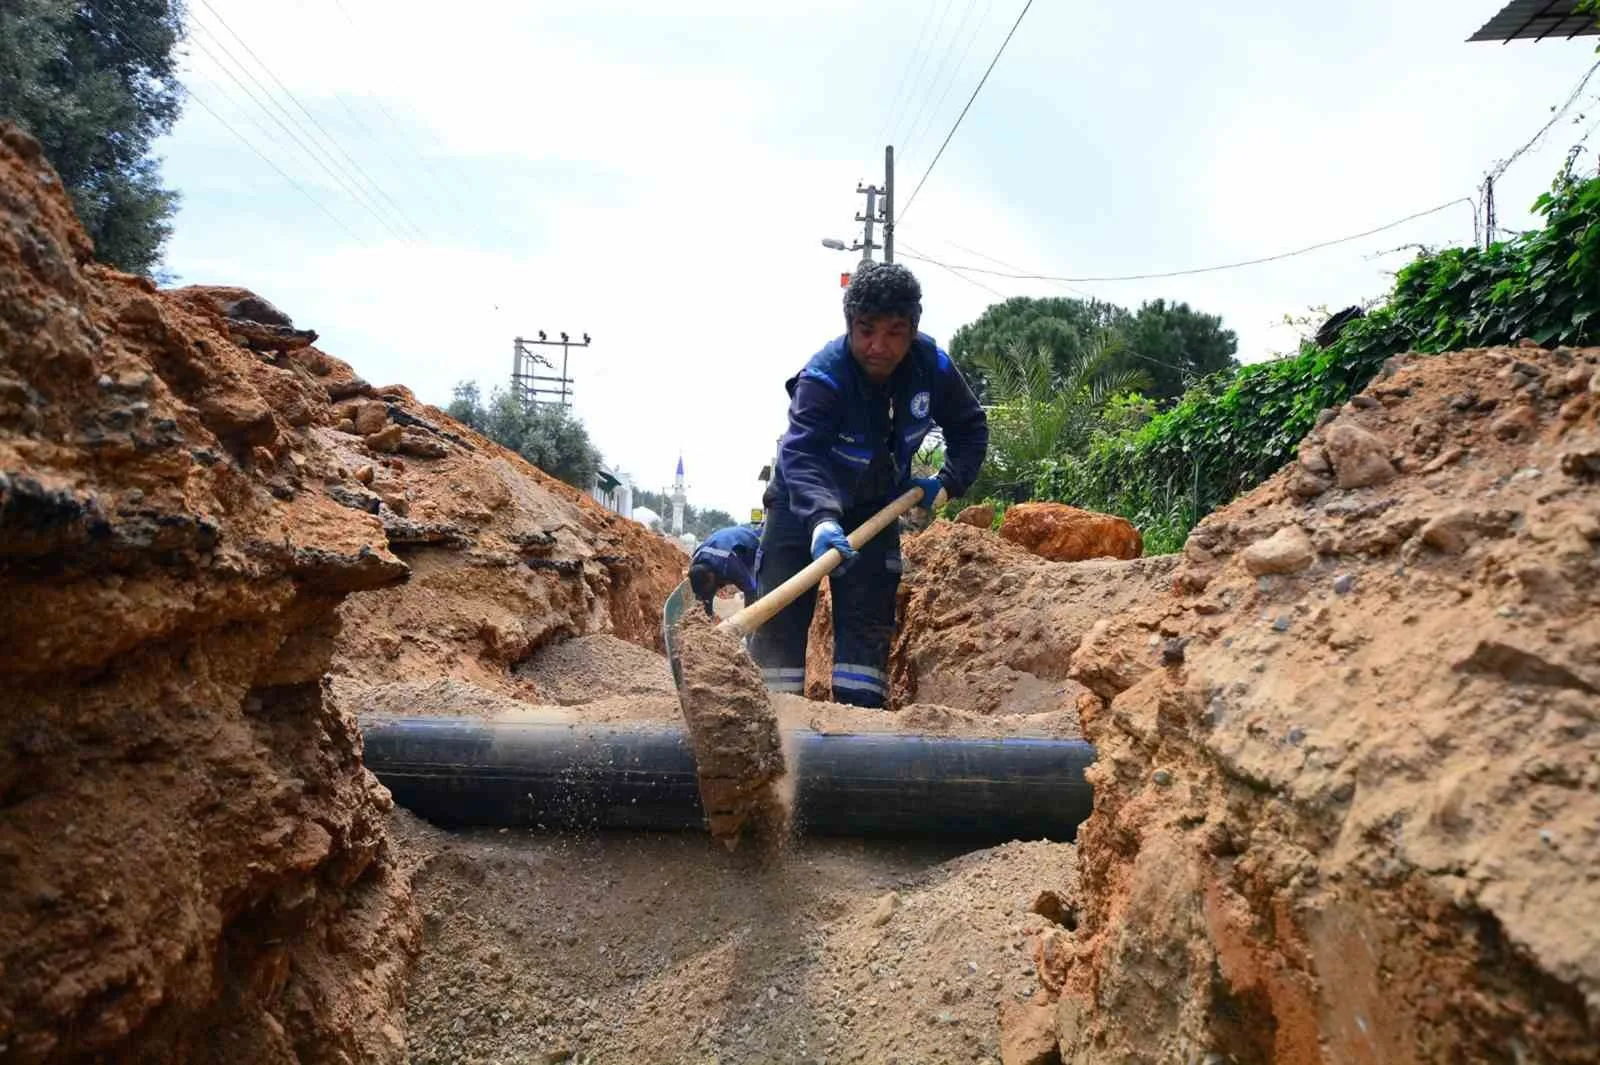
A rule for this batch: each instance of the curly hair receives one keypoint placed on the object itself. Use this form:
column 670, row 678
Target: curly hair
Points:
column 879, row 289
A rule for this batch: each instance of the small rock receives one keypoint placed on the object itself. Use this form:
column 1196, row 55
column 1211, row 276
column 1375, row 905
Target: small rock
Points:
column 386, row 440
column 1296, row 735
column 1281, row 623
column 1574, row 408
column 422, row 445
column 1288, row 550
column 264, row 460
column 1443, row 459
column 1359, row 458
column 371, row 417
column 1326, row 416
column 1313, row 459
column 980, row 516
column 345, row 425
column 1546, row 837
column 1306, row 485
column 1161, row 778
column 1344, row 584
column 1515, row 425
column 365, row 474
column 1172, row 651
column 1364, row 402
column 556, row 1055
column 1527, row 342
column 1594, row 384
column 1451, row 532
column 1464, row 401
column 1582, row 461
column 884, row 910
column 1027, row 1034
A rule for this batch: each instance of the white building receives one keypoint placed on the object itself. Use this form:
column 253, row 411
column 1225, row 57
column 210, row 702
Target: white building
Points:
column 614, row 491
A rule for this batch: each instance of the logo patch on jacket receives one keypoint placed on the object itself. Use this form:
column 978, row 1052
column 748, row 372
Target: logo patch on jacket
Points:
column 919, row 405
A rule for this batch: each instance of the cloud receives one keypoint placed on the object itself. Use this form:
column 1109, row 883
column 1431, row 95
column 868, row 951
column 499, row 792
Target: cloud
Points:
column 662, row 178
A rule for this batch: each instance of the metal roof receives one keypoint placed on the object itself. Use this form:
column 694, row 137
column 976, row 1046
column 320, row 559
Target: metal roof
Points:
column 1534, row 20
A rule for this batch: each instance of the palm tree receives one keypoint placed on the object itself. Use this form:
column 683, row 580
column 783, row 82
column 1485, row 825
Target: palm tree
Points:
column 1039, row 409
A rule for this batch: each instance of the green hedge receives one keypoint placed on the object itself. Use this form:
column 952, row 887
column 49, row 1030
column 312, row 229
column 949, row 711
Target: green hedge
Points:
column 1231, row 432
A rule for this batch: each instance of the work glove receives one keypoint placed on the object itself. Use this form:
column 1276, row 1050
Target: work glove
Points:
column 933, row 492
column 829, row 536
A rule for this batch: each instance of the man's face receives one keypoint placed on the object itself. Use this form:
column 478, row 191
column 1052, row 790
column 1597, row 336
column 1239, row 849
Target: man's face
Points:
column 879, row 344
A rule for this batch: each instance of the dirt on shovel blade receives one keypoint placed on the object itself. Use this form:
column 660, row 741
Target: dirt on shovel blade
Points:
column 737, row 746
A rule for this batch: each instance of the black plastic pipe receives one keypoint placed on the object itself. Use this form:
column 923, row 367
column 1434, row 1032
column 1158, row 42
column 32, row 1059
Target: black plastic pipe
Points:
column 459, row 772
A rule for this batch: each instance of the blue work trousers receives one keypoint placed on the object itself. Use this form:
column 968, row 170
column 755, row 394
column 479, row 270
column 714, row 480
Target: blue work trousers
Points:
column 863, row 608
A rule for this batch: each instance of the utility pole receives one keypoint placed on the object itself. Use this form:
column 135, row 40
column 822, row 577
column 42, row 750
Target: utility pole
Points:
column 888, row 204
column 530, row 388
column 867, row 247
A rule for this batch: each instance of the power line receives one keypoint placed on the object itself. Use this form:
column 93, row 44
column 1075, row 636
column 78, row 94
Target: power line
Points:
column 981, row 82
column 362, row 174
column 913, row 254
column 411, row 143
column 917, row 123
column 1221, row 266
column 923, row 60
column 1501, row 167
column 190, row 93
column 343, row 184
column 961, row 64
column 1008, row 266
column 911, row 57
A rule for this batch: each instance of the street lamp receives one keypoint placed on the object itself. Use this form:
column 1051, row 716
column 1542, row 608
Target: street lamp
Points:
column 834, row 245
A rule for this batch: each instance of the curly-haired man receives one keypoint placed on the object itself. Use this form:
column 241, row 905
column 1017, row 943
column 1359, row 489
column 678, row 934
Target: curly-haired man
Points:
column 857, row 413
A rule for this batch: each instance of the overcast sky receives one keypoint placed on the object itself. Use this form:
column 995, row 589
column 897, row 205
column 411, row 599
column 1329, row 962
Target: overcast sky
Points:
column 660, row 176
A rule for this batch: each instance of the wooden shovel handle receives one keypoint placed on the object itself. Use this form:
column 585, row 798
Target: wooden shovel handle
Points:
column 760, row 612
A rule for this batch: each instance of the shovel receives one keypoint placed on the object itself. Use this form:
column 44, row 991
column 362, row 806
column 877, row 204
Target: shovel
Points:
column 762, row 610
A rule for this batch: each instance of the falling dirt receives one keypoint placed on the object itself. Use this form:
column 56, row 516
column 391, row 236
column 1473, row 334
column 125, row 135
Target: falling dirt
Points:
column 738, row 749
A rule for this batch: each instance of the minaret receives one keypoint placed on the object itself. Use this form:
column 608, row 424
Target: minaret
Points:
column 678, row 500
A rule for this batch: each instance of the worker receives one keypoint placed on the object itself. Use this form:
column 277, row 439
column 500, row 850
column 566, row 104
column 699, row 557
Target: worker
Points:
column 858, row 411
column 728, row 556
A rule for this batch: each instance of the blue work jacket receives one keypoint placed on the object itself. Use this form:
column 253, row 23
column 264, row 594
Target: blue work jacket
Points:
column 850, row 442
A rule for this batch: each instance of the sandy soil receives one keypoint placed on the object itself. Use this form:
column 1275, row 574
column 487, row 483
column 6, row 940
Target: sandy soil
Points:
column 617, row 947
column 664, row 948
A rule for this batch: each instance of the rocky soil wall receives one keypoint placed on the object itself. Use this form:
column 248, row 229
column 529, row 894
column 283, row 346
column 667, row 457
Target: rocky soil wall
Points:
column 1348, row 796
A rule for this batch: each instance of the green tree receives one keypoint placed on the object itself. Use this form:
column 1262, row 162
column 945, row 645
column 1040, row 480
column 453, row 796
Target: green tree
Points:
column 1060, row 327
column 1173, row 345
column 466, row 406
column 547, row 435
column 1039, row 414
column 96, row 83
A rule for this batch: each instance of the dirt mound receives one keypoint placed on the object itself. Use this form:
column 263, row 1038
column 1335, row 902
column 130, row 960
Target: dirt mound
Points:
column 503, row 558
column 662, row 948
column 591, row 668
column 986, row 626
column 195, row 862
column 1348, row 796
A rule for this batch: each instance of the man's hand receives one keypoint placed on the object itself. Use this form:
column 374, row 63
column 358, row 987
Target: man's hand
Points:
column 829, row 536
column 933, row 493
